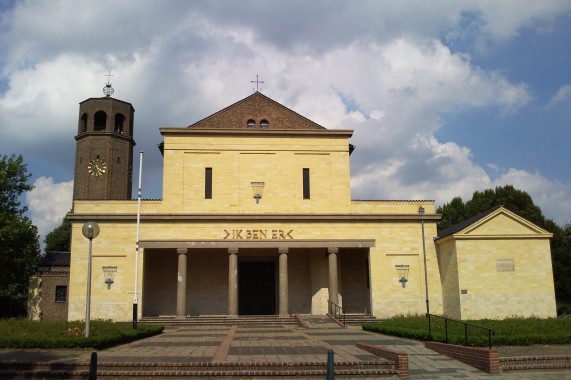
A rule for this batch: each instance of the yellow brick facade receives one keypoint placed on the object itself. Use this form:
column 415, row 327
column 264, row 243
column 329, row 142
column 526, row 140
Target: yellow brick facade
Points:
column 499, row 267
column 366, row 239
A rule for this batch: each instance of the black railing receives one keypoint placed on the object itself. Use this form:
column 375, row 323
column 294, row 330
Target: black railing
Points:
column 466, row 324
column 336, row 311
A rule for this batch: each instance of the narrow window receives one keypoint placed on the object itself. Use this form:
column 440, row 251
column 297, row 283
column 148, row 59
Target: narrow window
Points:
column 208, row 183
column 100, row 121
column 119, row 119
column 83, row 123
column 264, row 124
column 306, row 183
column 251, row 124
column 61, row 293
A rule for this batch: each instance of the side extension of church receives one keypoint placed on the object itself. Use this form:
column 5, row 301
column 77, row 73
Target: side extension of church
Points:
column 257, row 218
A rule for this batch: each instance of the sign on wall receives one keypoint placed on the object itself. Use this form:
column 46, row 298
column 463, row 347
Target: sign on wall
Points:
column 258, row 234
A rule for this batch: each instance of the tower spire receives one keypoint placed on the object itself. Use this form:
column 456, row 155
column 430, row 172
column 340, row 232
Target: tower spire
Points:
column 108, row 90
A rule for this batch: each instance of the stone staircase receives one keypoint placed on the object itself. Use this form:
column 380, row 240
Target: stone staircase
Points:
column 221, row 320
column 224, row 370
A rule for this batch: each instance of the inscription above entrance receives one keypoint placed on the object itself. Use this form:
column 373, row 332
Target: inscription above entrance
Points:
column 258, row 234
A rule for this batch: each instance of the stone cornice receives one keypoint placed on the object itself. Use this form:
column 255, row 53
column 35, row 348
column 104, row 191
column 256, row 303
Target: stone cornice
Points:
column 235, row 244
column 498, row 236
column 491, row 237
column 256, row 132
column 255, row 217
column 105, row 133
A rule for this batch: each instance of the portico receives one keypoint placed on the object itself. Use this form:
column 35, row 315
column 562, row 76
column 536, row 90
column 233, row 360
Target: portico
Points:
column 204, row 257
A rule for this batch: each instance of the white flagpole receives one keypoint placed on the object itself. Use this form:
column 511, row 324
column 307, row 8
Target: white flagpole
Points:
column 136, row 298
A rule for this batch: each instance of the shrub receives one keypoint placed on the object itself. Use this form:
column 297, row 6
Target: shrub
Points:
column 511, row 331
column 51, row 334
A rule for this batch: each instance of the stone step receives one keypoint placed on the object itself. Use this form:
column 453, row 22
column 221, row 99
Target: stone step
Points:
column 359, row 319
column 70, row 370
column 221, row 320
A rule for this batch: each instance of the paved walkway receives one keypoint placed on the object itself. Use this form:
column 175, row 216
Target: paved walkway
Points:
column 275, row 344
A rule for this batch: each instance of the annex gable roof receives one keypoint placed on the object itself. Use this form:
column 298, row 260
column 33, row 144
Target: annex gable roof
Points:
column 256, row 107
column 498, row 222
column 55, row 259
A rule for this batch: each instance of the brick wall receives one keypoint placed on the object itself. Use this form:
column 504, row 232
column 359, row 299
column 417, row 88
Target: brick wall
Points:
column 400, row 358
column 481, row 358
column 535, row 362
column 50, row 309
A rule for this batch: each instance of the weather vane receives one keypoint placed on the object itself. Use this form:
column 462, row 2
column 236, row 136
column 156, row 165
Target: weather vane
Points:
column 257, row 82
column 108, row 90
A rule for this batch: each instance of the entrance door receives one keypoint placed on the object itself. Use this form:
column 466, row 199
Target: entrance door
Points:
column 256, row 284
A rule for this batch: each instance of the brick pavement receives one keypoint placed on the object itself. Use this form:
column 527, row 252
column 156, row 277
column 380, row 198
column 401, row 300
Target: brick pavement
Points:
column 291, row 344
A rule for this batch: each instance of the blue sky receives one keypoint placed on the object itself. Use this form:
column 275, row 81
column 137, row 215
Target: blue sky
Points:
column 445, row 97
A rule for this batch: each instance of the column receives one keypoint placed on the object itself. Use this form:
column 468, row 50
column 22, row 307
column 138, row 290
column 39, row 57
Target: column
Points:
column 333, row 282
column 283, row 283
column 232, row 282
column 181, row 283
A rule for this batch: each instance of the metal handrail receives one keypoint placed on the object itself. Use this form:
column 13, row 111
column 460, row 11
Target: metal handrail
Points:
column 466, row 324
column 336, row 311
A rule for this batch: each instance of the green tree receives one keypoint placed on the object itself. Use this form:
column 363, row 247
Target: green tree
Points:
column 60, row 238
column 513, row 199
column 452, row 213
column 521, row 203
column 19, row 246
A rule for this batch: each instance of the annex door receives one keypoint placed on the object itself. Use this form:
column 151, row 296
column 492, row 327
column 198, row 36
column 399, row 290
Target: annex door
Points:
column 256, row 288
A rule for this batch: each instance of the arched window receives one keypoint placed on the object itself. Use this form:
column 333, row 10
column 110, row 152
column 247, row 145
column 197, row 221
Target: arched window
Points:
column 119, row 119
column 251, row 124
column 100, row 119
column 83, row 123
column 264, row 124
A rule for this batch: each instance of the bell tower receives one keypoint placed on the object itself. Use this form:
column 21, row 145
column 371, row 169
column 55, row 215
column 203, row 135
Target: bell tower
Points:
column 104, row 149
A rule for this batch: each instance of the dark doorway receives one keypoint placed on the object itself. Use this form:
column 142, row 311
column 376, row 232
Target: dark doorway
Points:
column 256, row 288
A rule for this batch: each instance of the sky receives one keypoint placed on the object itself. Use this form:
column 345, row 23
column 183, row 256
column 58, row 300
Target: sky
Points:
column 444, row 97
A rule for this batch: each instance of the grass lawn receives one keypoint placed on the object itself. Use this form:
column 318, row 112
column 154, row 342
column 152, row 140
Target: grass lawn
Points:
column 55, row 334
column 512, row 331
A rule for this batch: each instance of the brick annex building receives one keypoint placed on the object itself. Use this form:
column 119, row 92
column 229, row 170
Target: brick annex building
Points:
column 257, row 218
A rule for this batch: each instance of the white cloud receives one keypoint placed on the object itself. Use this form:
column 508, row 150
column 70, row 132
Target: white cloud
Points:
column 444, row 171
column 551, row 196
column 562, row 95
column 503, row 19
column 385, row 73
column 48, row 203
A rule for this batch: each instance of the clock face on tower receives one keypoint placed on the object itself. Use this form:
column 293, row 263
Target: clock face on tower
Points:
column 97, row 167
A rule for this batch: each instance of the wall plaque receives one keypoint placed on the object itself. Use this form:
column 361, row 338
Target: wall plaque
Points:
column 505, row 265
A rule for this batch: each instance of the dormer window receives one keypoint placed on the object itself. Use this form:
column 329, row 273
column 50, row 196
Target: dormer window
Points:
column 251, row 124
column 264, row 124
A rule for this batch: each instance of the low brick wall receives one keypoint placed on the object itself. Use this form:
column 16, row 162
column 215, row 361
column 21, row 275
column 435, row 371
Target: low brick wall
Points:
column 336, row 320
column 301, row 322
column 400, row 358
column 481, row 358
column 524, row 363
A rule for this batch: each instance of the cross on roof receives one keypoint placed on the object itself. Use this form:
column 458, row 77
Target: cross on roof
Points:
column 108, row 76
column 257, row 82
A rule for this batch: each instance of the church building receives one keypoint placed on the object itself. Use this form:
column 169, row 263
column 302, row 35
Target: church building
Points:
column 257, row 219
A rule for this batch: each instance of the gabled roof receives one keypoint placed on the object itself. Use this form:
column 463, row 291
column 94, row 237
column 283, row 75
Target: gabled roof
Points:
column 56, row 259
column 256, row 107
column 479, row 226
column 460, row 226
